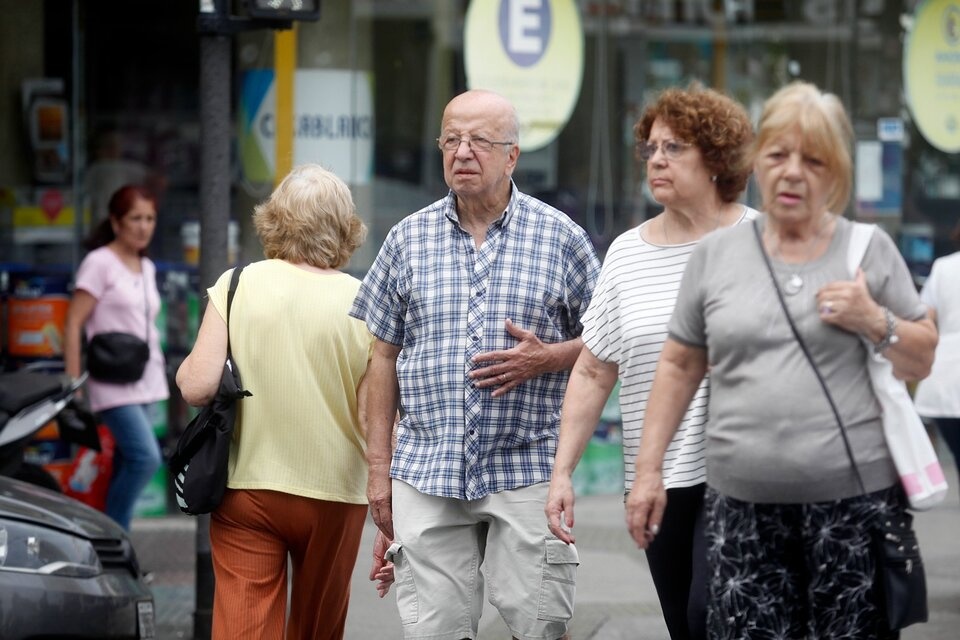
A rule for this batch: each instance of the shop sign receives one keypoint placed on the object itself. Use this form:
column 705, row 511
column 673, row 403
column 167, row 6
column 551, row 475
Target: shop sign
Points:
column 531, row 52
column 931, row 72
column 42, row 215
column 332, row 125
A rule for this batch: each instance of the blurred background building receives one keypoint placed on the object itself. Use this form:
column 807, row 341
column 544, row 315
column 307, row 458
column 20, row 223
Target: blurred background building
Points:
column 97, row 93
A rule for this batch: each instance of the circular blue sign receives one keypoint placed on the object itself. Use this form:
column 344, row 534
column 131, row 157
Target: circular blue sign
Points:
column 525, row 27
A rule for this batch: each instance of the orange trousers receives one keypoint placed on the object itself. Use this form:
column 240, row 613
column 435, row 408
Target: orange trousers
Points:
column 251, row 535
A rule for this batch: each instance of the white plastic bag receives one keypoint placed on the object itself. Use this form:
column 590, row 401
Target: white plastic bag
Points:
column 913, row 454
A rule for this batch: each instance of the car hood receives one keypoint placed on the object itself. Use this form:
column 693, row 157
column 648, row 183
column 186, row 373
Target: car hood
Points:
column 30, row 503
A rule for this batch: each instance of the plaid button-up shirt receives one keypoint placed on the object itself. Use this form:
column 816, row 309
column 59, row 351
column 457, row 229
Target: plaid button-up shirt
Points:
column 442, row 300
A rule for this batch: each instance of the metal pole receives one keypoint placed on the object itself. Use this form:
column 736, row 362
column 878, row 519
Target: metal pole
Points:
column 284, row 68
column 214, row 217
column 77, row 154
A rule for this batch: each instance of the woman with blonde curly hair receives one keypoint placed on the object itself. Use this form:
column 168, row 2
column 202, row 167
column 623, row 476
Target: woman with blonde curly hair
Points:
column 297, row 474
column 692, row 142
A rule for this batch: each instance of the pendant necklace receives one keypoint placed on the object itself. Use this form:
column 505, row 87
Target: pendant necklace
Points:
column 794, row 283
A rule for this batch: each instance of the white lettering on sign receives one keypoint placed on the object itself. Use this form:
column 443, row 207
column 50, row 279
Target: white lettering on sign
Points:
column 524, row 18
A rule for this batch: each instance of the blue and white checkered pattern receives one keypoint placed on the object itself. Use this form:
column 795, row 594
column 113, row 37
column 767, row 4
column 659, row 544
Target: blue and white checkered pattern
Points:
column 441, row 299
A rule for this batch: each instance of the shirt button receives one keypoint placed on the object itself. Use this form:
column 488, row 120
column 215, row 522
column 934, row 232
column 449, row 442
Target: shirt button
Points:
column 472, row 431
column 475, row 338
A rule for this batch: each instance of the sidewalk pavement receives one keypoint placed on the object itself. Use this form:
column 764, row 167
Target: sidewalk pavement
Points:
column 615, row 596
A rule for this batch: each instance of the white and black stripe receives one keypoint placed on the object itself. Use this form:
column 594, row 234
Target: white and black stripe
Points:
column 627, row 324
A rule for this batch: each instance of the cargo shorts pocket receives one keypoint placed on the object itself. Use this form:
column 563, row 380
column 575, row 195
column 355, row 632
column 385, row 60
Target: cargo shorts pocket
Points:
column 407, row 601
column 558, row 584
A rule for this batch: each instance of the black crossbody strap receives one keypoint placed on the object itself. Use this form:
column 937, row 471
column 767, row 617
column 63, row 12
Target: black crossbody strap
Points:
column 234, row 281
column 146, row 306
column 809, row 356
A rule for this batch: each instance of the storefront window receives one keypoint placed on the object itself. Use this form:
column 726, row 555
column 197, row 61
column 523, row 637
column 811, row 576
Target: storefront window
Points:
column 373, row 77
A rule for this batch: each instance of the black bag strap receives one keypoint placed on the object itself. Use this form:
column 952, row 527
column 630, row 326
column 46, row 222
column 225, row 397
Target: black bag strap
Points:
column 146, row 306
column 809, row 356
column 234, row 281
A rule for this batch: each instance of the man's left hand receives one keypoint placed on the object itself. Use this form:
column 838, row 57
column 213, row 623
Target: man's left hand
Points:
column 512, row 367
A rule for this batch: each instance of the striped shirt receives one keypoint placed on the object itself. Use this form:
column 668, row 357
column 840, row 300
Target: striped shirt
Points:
column 627, row 324
column 431, row 291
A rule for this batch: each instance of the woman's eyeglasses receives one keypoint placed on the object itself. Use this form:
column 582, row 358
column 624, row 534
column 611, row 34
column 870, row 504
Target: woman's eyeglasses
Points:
column 672, row 149
column 452, row 143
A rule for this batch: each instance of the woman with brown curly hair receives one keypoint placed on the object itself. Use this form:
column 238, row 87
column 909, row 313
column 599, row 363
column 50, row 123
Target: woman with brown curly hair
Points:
column 297, row 476
column 692, row 142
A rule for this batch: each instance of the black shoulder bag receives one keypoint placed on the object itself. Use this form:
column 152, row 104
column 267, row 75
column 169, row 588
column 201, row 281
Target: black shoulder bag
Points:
column 899, row 570
column 117, row 357
column 199, row 465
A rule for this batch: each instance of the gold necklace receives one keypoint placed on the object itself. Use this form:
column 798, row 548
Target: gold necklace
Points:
column 794, row 282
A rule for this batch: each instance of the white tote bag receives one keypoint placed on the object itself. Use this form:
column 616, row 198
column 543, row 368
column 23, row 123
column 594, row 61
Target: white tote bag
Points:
column 913, row 454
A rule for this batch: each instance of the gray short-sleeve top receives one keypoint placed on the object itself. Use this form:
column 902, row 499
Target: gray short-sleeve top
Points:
column 771, row 435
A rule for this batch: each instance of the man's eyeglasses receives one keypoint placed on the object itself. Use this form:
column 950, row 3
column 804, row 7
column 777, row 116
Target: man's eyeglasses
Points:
column 672, row 149
column 452, row 143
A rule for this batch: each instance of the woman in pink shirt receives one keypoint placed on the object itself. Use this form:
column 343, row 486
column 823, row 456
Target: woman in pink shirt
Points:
column 116, row 290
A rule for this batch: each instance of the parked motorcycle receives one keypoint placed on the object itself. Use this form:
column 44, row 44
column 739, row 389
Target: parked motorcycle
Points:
column 29, row 399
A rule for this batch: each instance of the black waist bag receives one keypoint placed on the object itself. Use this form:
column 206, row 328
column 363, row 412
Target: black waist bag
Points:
column 117, row 357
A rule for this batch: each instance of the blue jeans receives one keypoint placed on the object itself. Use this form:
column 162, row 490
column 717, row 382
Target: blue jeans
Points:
column 135, row 459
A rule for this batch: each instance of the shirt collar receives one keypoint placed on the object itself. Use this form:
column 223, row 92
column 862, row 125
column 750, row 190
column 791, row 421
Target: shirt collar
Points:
column 450, row 207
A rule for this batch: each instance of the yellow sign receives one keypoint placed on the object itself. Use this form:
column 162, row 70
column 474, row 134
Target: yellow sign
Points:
column 35, row 216
column 931, row 72
column 531, row 52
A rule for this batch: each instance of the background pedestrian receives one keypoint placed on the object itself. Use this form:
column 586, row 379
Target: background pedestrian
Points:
column 116, row 291
column 938, row 395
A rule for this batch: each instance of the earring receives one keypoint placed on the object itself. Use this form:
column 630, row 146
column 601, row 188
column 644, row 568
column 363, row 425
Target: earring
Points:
column 713, row 178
